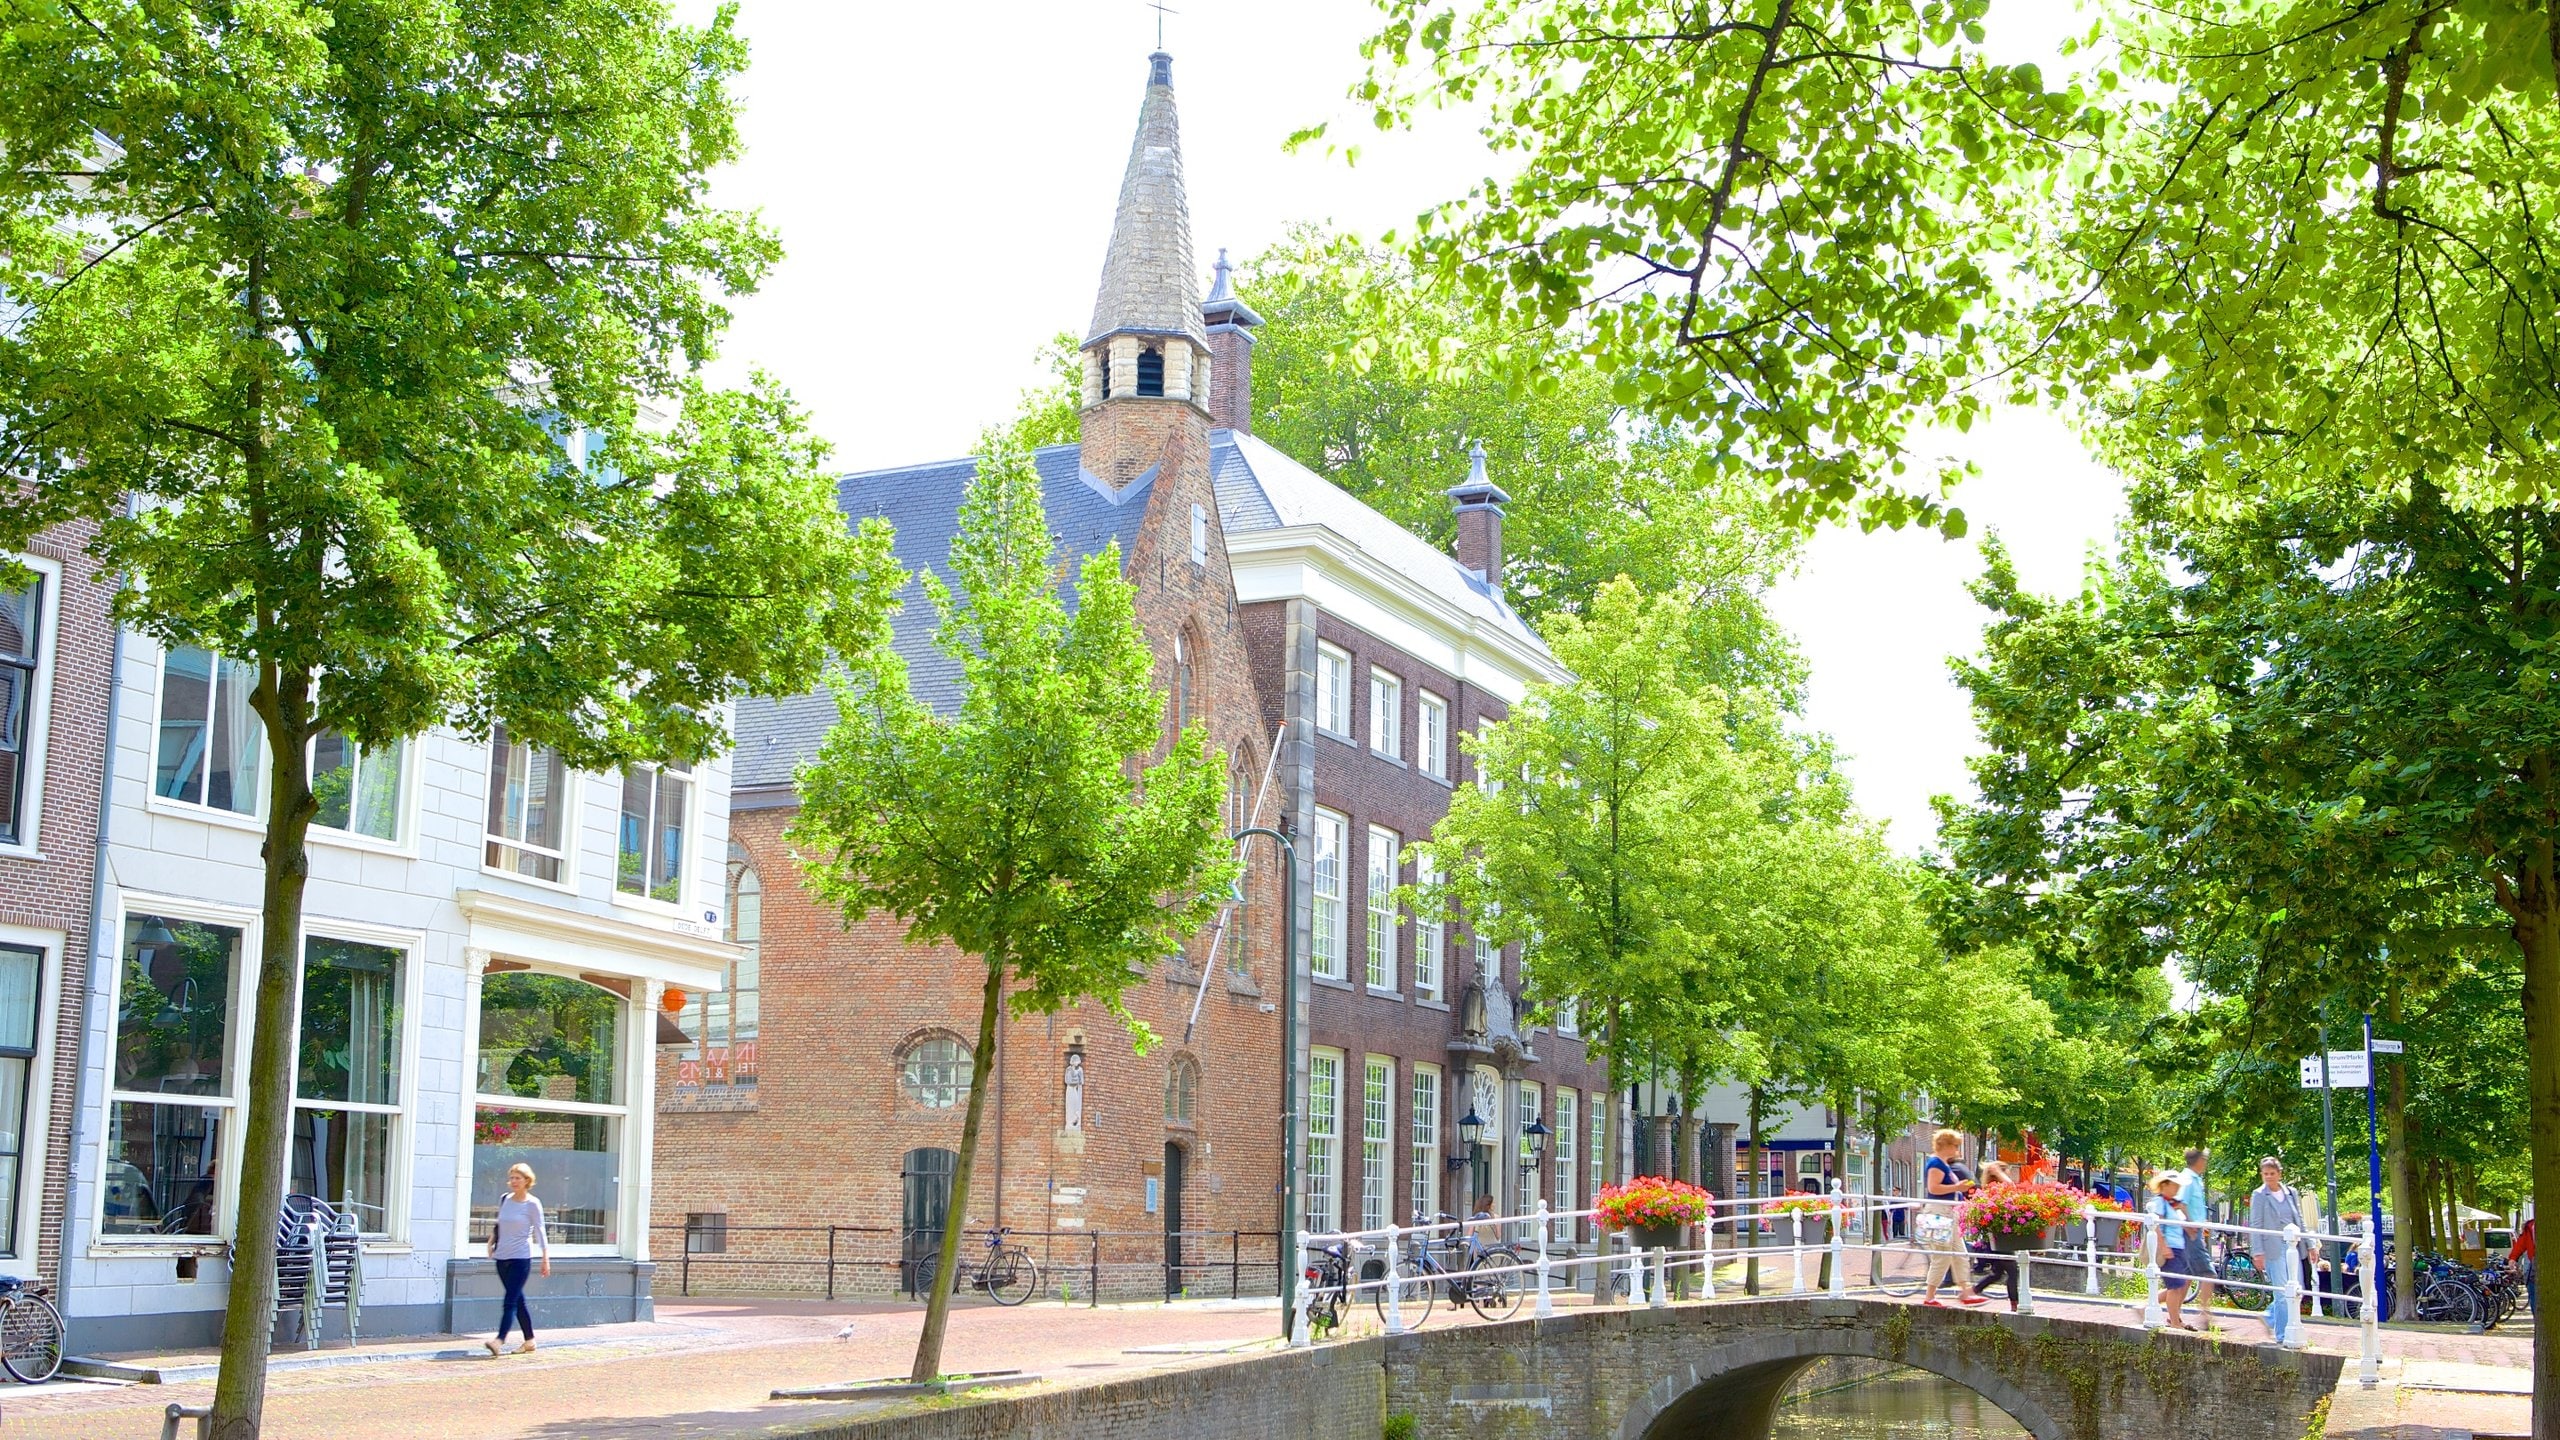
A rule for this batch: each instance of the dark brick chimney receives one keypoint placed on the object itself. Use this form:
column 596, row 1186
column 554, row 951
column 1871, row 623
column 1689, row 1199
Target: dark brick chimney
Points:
column 1230, row 323
column 1480, row 503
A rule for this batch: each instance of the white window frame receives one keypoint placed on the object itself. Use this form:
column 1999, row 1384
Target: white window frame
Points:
column 1324, row 1139
column 252, row 820
column 1431, row 752
column 638, row 1063
column 1380, row 933
column 30, row 842
column 1596, row 1115
column 1328, row 920
column 1377, row 1141
column 1488, row 954
column 34, row 1153
column 404, row 840
column 572, row 827
column 1333, row 690
column 1528, row 1106
column 689, row 858
column 1569, row 1018
column 1423, row 1127
column 1430, row 937
column 1199, row 534
column 402, row 1145
column 244, row 983
column 1386, row 714
column 1564, row 1150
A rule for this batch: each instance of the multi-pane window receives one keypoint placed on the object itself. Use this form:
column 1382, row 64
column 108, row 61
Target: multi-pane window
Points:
column 1333, row 690
column 1599, row 1140
column 21, row 618
column 1386, row 713
column 1239, row 939
column 1424, row 1141
column 171, row 1077
column 1433, row 754
column 1377, row 1139
column 346, row 1105
column 359, row 788
column 1324, row 1139
column 1566, row 1149
column 725, row 1020
column 21, row 971
column 657, row 801
column 934, row 1073
column 1569, row 1017
column 1383, row 846
column 1328, row 920
column 1430, row 932
column 210, row 744
column 552, row 1093
column 528, row 809
column 1525, row 1103
column 1182, row 1091
column 1488, row 953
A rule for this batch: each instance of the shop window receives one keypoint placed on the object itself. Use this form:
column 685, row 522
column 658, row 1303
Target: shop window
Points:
column 171, row 1078
column 551, row 1094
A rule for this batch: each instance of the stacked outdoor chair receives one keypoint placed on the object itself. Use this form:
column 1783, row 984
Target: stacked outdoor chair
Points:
column 319, row 1265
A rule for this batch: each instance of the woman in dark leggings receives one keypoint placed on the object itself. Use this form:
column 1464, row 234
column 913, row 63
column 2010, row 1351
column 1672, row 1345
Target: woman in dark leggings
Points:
column 511, row 1244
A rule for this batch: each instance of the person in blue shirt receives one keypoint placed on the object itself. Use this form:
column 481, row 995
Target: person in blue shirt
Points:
column 2192, row 1199
column 2169, row 1246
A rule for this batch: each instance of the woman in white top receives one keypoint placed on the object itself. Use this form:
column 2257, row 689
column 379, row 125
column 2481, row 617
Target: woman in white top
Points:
column 511, row 1244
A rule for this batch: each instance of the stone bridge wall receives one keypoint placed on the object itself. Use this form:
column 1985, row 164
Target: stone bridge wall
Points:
column 1697, row 1372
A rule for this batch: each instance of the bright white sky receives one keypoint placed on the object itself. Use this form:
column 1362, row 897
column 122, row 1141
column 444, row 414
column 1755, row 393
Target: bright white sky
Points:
column 943, row 180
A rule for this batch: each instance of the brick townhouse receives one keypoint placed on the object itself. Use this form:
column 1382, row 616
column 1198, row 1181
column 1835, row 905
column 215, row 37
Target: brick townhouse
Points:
column 55, row 642
column 1336, row 660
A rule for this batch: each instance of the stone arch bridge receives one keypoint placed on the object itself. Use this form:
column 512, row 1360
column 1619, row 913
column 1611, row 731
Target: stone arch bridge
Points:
column 1685, row 1372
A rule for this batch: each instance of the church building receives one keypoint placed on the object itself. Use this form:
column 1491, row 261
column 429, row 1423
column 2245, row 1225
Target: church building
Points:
column 808, row 1123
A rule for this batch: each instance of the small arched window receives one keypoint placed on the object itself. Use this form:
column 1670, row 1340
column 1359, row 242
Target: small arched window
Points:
column 934, row 1073
column 1151, row 370
column 1182, row 1091
column 1185, row 677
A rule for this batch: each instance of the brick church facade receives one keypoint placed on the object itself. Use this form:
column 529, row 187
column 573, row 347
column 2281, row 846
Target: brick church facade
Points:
column 815, row 1103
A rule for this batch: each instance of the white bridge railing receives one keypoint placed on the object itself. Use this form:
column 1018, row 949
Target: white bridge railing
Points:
column 1411, row 1256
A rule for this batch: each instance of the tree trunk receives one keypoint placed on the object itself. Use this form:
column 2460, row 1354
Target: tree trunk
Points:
column 1759, row 1175
column 1839, row 1168
column 2403, row 1188
column 283, row 703
column 2536, row 910
column 1611, row 1136
column 937, row 1305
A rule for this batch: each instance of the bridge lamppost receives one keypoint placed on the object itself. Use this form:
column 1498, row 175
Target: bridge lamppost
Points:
column 1286, row 1242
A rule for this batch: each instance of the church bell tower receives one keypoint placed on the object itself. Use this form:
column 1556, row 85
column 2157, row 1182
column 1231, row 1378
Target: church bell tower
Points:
column 1147, row 369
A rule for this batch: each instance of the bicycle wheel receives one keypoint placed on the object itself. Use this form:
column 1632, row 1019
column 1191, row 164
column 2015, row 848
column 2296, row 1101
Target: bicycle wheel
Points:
column 926, row 1269
column 30, row 1338
column 2448, row 1302
column 2243, row 1278
column 1412, row 1287
column 1905, row 1266
column 1012, row 1275
column 1495, row 1296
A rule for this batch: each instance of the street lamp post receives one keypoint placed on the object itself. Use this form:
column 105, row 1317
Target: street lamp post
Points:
column 1286, row 1243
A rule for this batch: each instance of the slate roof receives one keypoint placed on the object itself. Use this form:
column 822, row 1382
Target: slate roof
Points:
column 923, row 502
column 1261, row 488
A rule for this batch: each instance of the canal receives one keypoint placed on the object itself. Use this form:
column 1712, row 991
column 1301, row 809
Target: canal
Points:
column 1902, row 1405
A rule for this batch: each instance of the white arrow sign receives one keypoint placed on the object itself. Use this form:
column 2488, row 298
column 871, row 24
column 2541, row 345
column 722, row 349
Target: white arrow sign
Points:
column 2310, row 1072
column 2386, row 1047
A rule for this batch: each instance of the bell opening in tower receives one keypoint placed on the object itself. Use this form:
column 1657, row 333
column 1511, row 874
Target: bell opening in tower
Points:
column 1151, row 371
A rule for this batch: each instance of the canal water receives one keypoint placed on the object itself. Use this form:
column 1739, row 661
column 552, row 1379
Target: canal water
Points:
column 1903, row 1405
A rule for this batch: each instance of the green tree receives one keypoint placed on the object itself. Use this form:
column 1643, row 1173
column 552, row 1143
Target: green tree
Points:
column 1626, row 842
column 306, row 299
column 1026, row 827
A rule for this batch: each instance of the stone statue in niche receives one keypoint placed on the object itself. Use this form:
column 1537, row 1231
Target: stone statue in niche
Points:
column 1075, row 1089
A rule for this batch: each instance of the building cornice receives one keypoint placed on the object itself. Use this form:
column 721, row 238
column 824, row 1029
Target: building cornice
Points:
column 1318, row 563
column 556, row 935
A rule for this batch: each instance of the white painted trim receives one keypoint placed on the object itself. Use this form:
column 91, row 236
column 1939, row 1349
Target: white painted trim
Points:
column 244, row 984
column 573, row 941
column 30, row 843
column 1317, row 564
column 34, row 1149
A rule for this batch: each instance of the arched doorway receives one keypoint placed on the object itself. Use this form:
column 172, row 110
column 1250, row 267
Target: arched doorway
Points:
column 1176, row 1272
column 925, row 1176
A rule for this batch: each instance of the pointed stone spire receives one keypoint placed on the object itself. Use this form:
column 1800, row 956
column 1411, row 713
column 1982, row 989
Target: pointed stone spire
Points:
column 1147, row 277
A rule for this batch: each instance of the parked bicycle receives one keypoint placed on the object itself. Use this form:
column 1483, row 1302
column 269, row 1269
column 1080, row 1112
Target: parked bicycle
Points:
column 30, row 1332
column 1006, row 1272
column 1328, row 1286
column 1448, row 1266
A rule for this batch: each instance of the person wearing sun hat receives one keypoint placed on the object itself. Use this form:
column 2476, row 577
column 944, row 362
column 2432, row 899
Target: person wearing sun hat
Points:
column 2169, row 1241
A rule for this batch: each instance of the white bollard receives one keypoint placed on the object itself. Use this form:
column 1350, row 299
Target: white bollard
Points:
column 1661, row 1295
column 2091, row 1217
column 2297, row 1331
column 1795, row 1231
column 1394, row 1283
column 1546, row 1298
column 1707, row 1257
column 2026, row 1284
column 2369, row 1314
column 2153, row 1317
column 1839, row 1244
column 1302, row 1333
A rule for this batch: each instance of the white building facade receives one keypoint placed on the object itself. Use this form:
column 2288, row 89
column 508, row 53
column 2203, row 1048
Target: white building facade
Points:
column 488, row 942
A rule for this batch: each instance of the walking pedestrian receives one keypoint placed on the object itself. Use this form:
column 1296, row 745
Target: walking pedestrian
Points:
column 2273, row 1206
column 2520, row 1255
column 1989, row 1265
column 1946, row 1181
column 2192, row 1199
column 2169, row 1242
column 511, row 1245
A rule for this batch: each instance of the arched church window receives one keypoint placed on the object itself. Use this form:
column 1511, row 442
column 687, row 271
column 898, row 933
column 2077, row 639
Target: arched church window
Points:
column 1184, row 677
column 934, row 1072
column 1182, row 1091
column 1151, row 370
